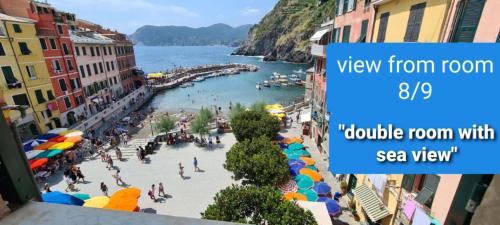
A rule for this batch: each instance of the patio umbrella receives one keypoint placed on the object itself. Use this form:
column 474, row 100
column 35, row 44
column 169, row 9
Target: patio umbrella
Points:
column 302, row 153
column 290, row 186
column 46, row 136
column 127, row 192
column 294, row 196
column 73, row 133
column 96, row 202
column 312, row 168
column 124, row 200
column 283, row 146
column 62, row 146
column 58, row 139
column 310, row 194
column 33, row 153
column 74, row 139
column 322, row 188
column 293, row 140
column 308, row 161
column 295, row 169
column 304, row 182
column 27, row 146
column 279, row 138
column 57, row 130
column 48, row 154
column 82, row 196
column 295, row 146
column 37, row 163
column 332, row 206
column 61, row 198
column 315, row 176
column 296, row 161
column 293, row 156
column 44, row 146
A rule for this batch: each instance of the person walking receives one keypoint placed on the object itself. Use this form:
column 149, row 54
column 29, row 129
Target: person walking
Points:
column 151, row 193
column 79, row 175
column 104, row 189
column 195, row 163
column 118, row 178
column 118, row 153
column 110, row 163
column 181, row 170
column 161, row 190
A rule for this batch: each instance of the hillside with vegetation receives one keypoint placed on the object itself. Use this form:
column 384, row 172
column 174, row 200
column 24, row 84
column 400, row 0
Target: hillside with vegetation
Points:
column 283, row 34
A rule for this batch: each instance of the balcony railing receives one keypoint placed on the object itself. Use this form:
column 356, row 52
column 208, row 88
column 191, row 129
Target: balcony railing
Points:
column 318, row 50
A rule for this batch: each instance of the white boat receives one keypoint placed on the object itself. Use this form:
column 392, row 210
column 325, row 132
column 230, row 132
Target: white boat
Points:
column 283, row 76
column 294, row 79
column 258, row 87
column 266, row 84
column 284, row 84
column 276, row 74
column 188, row 84
column 198, row 79
column 276, row 84
column 294, row 76
column 298, row 71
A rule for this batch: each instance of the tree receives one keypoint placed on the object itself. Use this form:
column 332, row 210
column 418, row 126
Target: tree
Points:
column 259, row 107
column 258, row 161
column 251, row 124
column 166, row 124
column 206, row 115
column 236, row 110
column 200, row 123
column 256, row 205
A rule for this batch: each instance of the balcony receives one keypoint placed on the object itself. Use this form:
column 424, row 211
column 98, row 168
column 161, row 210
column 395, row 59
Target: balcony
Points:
column 318, row 50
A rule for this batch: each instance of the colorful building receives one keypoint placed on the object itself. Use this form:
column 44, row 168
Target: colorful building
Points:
column 22, row 46
column 353, row 21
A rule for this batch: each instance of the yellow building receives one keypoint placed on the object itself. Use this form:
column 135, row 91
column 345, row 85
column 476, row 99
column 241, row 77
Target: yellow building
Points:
column 409, row 20
column 26, row 78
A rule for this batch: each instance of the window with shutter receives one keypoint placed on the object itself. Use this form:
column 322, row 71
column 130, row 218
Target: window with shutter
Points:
column 407, row 182
column 23, row 46
column 414, row 22
column 50, row 95
column 65, row 49
column 382, row 27
column 345, row 6
column 21, row 99
column 67, row 102
column 77, row 50
column 426, row 195
column 469, row 14
column 31, row 71
column 43, row 43
column 346, row 33
column 364, row 29
column 39, row 96
column 9, row 75
column 62, row 85
column 17, row 28
column 89, row 72
column 82, row 71
column 53, row 43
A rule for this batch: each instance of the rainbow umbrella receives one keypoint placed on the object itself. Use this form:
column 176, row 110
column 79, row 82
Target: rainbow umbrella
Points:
column 37, row 163
column 46, row 136
column 96, row 202
column 27, row 146
column 33, row 153
column 44, row 146
column 304, row 182
column 57, row 130
column 74, row 139
column 73, row 133
column 294, row 196
column 58, row 139
column 290, row 186
column 124, row 200
column 310, row 194
column 62, row 146
column 48, row 154
column 63, row 133
column 82, row 196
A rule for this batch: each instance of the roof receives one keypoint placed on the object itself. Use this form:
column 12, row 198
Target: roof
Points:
column 15, row 19
column 371, row 203
column 89, row 37
column 319, row 34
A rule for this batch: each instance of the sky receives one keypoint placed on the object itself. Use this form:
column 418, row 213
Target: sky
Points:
column 128, row 15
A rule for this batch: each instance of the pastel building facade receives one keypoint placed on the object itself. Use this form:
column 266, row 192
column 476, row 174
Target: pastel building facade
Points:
column 353, row 21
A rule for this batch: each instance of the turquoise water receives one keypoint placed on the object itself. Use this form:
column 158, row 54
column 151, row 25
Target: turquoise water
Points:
column 218, row 91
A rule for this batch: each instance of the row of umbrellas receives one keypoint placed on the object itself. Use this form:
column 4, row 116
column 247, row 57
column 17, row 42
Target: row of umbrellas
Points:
column 307, row 182
column 123, row 200
column 49, row 145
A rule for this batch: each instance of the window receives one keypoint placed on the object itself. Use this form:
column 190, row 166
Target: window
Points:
column 468, row 20
column 65, row 49
column 112, row 65
column 110, row 82
column 345, row 6
column 2, row 51
column 114, row 78
column 82, row 71
column 17, row 28
column 407, row 182
column 109, row 50
column 84, row 50
column 39, row 96
column 72, row 84
column 92, row 53
column 498, row 37
column 21, row 99
column 107, row 66
column 101, row 67
column 67, row 102
column 24, row 48
column 95, row 68
column 335, row 35
column 60, row 29
column 382, row 27
column 98, row 51
column 77, row 50
column 89, row 72
column 56, row 66
column 104, row 51
column 351, row 5
column 43, row 43
column 50, row 95
column 364, row 29
column 367, row 4
column 70, row 65
column 31, row 72
column 346, row 34
column 426, row 195
column 414, row 22
column 52, row 43
column 62, row 85
column 351, row 184
column 8, row 75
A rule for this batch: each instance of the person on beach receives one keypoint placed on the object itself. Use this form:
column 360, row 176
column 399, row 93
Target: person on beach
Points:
column 138, row 153
column 217, row 140
column 210, row 141
column 110, row 163
column 195, row 163
column 181, row 170
column 70, row 184
column 298, row 117
column 104, row 189
column 118, row 153
column 79, row 175
column 151, row 193
column 161, row 190
column 118, row 178
column 46, row 188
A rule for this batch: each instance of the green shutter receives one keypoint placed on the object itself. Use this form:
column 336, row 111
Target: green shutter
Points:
column 2, row 51
column 469, row 12
column 24, row 48
column 364, row 29
column 382, row 27
column 50, row 95
column 67, row 102
column 39, row 96
column 21, row 99
column 407, row 182
column 17, row 28
column 9, row 75
column 414, row 22
column 346, row 33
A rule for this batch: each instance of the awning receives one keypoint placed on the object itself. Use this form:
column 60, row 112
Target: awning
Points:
column 306, row 117
column 373, row 206
column 319, row 34
column 97, row 100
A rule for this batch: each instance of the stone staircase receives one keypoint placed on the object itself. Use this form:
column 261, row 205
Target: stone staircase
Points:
column 129, row 151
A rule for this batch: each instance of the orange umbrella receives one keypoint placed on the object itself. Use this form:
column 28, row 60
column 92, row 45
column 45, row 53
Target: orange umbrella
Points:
column 315, row 176
column 74, row 139
column 293, row 140
column 127, row 193
column 58, row 139
column 294, row 196
column 37, row 163
column 308, row 160
column 44, row 146
column 124, row 200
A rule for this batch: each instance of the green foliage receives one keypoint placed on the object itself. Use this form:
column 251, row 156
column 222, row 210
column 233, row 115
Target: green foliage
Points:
column 236, row 110
column 250, row 124
column 256, row 205
column 258, row 161
column 200, row 124
column 206, row 115
column 259, row 107
column 166, row 124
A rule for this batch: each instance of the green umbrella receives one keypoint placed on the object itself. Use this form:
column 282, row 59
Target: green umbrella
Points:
column 295, row 146
column 302, row 153
column 293, row 156
column 304, row 182
column 84, row 197
column 312, row 167
column 288, row 151
column 48, row 154
column 310, row 194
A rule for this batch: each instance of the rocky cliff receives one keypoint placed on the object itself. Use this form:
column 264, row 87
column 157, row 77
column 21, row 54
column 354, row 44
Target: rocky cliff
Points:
column 283, row 34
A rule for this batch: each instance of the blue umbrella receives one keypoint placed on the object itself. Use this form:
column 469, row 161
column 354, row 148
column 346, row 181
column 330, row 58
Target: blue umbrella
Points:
column 295, row 168
column 296, row 161
column 323, row 199
column 28, row 146
column 279, row 138
column 47, row 136
column 57, row 197
column 322, row 188
column 333, row 207
column 282, row 146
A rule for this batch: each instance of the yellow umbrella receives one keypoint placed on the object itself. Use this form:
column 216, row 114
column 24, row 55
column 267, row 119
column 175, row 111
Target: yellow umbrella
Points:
column 62, row 146
column 96, row 202
column 294, row 196
column 67, row 132
column 74, row 139
column 73, row 134
column 308, row 160
column 274, row 106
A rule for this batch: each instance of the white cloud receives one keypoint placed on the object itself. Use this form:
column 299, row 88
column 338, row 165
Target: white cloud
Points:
column 248, row 11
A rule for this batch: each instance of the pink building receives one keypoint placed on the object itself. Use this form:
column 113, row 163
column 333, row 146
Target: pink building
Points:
column 353, row 21
column 96, row 61
column 473, row 21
